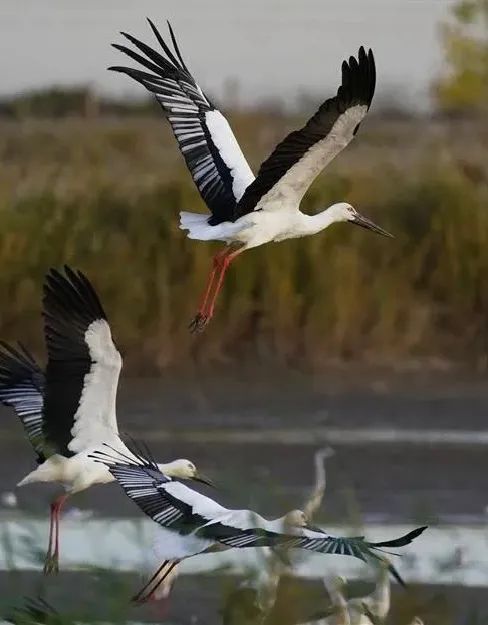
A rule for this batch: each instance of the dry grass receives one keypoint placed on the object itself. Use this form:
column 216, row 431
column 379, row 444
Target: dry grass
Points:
column 104, row 196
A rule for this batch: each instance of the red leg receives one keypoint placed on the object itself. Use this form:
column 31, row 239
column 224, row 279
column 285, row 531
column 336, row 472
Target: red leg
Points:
column 148, row 591
column 205, row 313
column 162, row 590
column 216, row 264
column 225, row 265
column 52, row 559
column 51, row 539
column 59, row 505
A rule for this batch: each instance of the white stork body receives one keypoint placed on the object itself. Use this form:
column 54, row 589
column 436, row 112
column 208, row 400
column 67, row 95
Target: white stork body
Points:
column 248, row 211
column 70, row 411
column 192, row 523
column 79, row 472
column 255, row 229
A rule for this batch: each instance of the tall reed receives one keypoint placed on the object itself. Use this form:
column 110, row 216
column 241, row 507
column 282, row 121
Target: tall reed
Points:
column 104, row 196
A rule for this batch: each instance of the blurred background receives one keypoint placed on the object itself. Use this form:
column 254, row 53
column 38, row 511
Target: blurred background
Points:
column 377, row 347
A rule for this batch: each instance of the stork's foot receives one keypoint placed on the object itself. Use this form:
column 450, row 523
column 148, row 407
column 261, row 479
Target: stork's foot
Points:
column 198, row 323
column 51, row 564
column 160, row 605
column 143, row 597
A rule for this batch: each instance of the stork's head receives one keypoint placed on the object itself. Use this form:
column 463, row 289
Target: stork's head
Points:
column 296, row 518
column 345, row 212
column 184, row 469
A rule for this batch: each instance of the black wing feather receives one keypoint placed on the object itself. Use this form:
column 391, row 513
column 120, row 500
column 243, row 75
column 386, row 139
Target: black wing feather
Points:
column 142, row 480
column 22, row 387
column 144, row 484
column 70, row 306
column 358, row 85
column 185, row 107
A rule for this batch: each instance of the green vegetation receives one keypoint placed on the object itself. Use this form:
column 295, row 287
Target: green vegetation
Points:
column 464, row 87
column 104, row 196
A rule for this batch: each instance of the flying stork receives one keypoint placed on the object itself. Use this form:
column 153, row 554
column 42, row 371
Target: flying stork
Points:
column 69, row 411
column 192, row 523
column 248, row 211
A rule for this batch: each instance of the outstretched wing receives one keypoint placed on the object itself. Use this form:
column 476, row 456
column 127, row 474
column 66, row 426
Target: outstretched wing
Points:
column 184, row 511
column 83, row 366
column 212, row 154
column 166, row 500
column 22, row 387
column 303, row 154
column 315, row 540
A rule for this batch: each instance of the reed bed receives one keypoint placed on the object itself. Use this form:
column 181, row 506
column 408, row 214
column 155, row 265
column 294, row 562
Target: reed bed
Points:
column 103, row 195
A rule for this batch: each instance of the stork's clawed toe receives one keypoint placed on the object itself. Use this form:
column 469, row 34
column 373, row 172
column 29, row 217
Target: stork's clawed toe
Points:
column 51, row 565
column 198, row 323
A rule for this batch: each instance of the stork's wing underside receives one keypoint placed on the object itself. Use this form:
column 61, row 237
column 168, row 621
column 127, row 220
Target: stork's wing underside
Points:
column 167, row 501
column 22, row 387
column 212, row 154
column 287, row 174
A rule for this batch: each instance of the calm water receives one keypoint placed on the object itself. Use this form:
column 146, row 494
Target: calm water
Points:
column 449, row 555
column 405, row 453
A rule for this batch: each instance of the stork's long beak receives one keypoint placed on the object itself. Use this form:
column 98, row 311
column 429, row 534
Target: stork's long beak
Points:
column 364, row 222
column 198, row 477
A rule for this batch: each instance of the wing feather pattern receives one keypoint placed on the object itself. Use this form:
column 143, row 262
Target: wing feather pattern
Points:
column 22, row 387
column 83, row 366
column 184, row 511
column 295, row 162
column 209, row 147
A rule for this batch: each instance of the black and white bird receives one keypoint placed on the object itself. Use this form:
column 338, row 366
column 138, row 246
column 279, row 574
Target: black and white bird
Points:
column 193, row 523
column 248, row 211
column 70, row 410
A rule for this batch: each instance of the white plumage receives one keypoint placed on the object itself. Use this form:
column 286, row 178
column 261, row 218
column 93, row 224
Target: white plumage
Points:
column 70, row 411
column 224, row 140
column 248, row 211
column 193, row 523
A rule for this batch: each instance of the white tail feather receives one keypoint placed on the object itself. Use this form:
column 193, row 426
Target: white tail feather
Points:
column 199, row 228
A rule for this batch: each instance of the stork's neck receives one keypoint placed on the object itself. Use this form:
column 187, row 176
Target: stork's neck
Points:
column 281, row 524
column 337, row 598
column 381, row 594
column 315, row 223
